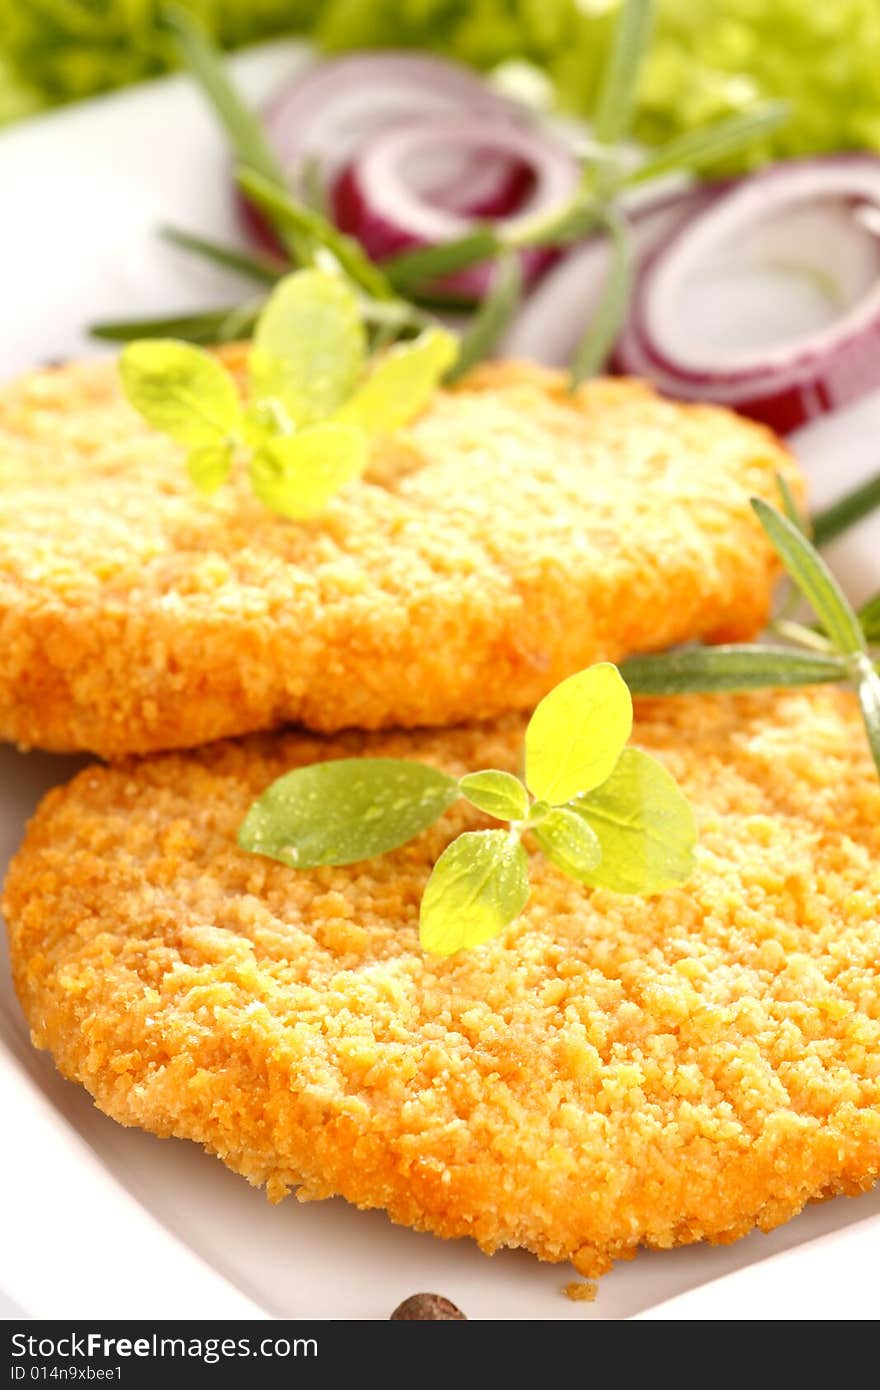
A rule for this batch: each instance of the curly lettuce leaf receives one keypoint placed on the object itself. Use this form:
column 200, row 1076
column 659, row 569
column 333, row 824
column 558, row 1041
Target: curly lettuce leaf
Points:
column 706, row 61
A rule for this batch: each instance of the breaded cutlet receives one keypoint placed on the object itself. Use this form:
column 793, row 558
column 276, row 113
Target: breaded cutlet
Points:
column 609, row 1072
column 512, row 535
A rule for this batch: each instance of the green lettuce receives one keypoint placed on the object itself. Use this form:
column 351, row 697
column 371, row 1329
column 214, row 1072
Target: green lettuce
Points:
column 707, row 60
column 66, row 49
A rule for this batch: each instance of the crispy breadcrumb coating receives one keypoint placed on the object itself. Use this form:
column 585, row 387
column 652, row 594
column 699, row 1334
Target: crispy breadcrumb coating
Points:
column 511, row 536
column 609, row 1072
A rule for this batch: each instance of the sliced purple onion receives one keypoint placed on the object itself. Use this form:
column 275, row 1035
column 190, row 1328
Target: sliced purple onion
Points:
column 325, row 116
column 797, row 244
column 557, row 313
column 461, row 183
column 331, row 111
column 382, row 206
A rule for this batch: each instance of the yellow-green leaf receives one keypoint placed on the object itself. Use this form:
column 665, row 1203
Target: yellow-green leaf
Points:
column 499, row 794
column 298, row 474
column 265, row 419
column 345, row 810
column 479, row 884
column 575, row 736
column 569, row 841
column 208, row 465
column 180, row 390
column 644, row 824
column 309, row 345
column 402, row 383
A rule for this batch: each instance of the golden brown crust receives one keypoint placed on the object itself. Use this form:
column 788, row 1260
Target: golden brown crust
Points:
column 610, row 1072
column 512, row 536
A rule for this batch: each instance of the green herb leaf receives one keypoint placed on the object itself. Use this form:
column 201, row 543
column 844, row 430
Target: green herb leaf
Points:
column 707, row 145
column 344, row 811
column 492, row 319
column 207, row 326
column 597, row 342
column 569, row 842
column 704, row 670
column 180, row 390
column 265, row 418
column 868, row 690
column 285, row 212
column 479, row 884
column 620, row 73
column 644, row 824
column 412, row 268
column 847, row 511
column 298, row 474
column 869, row 617
column 499, row 794
column 209, row 465
column 309, row 346
column 229, row 257
column 402, row 383
column 575, row 735
column 813, row 578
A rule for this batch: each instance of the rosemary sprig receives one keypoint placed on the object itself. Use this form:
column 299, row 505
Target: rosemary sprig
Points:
column 709, row 145
column 730, row 669
column 848, row 659
column 869, row 617
column 243, row 128
column 814, row 579
column 789, row 506
column 847, row 511
column 410, row 269
column 259, row 268
column 617, row 87
column 390, row 319
column 206, row 327
column 593, row 350
column 287, row 213
column 493, row 318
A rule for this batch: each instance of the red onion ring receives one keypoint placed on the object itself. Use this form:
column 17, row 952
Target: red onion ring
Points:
column 387, row 214
column 329, row 113
column 556, row 314
column 807, row 216
column 326, row 115
column 470, row 186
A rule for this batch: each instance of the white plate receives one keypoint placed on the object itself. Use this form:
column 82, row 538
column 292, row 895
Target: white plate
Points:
column 99, row 1221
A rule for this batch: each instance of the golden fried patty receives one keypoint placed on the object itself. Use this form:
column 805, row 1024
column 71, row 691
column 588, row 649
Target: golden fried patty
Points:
column 610, row 1071
column 513, row 535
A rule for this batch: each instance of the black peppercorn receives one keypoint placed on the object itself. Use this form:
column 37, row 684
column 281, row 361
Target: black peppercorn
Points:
column 426, row 1306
